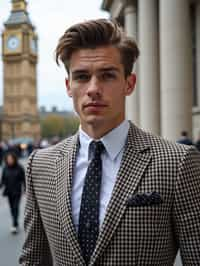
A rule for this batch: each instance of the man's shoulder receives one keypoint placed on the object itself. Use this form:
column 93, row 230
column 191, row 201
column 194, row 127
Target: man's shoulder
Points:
column 157, row 144
column 52, row 152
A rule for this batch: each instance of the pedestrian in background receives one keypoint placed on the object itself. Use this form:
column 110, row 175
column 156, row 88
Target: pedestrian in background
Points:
column 184, row 139
column 13, row 183
column 197, row 142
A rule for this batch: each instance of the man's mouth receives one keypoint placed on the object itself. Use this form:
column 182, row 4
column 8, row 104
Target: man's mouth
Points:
column 95, row 105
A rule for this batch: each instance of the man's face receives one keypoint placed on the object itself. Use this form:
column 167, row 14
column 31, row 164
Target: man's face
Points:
column 98, row 87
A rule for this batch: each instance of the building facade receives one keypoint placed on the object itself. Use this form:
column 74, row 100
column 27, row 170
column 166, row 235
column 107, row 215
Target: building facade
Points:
column 20, row 115
column 167, row 96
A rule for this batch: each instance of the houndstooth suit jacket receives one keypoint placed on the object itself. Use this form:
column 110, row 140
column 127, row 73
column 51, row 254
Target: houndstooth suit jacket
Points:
column 130, row 235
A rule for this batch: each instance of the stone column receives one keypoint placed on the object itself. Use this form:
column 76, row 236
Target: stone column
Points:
column 176, row 68
column 198, row 51
column 149, row 66
column 132, row 101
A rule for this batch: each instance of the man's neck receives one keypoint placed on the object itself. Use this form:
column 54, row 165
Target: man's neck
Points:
column 98, row 131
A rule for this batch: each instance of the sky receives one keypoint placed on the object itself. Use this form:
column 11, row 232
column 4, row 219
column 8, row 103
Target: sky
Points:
column 51, row 19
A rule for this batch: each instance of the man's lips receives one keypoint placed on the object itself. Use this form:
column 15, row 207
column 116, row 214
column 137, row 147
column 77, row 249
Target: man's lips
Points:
column 95, row 105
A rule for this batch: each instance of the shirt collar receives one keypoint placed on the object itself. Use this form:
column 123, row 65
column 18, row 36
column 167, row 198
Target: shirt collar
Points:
column 113, row 141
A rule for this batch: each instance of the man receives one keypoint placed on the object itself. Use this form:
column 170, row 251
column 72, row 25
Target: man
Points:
column 112, row 194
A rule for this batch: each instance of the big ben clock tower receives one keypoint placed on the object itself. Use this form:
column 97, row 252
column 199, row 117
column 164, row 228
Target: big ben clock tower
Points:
column 20, row 114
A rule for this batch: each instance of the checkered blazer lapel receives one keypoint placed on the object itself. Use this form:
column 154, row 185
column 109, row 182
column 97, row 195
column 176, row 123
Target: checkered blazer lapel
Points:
column 64, row 172
column 134, row 162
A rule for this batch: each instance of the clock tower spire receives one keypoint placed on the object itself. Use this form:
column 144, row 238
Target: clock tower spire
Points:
column 19, row 5
column 20, row 114
column 19, row 14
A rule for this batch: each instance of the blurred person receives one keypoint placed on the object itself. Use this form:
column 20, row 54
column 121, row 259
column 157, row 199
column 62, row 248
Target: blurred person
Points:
column 14, row 148
column 44, row 143
column 55, row 140
column 112, row 194
column 184, row 139
column 197, row 143
column 13, row 183
column 30, row 148
column 1, row 152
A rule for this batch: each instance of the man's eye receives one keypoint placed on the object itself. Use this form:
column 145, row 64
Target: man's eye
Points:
column 82, row 77
column 108, row 75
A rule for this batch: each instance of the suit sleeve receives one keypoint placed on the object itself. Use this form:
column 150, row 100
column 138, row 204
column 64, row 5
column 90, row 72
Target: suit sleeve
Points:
column 35, row 249
column 187, row 208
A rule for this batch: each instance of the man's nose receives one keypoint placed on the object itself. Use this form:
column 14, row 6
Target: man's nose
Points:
column 94, row 87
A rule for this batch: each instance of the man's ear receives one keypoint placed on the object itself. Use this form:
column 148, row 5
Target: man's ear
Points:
column 67, row 84
column 131, row 81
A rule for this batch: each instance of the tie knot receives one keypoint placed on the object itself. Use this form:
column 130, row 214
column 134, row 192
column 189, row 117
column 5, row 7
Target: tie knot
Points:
column 97, row 147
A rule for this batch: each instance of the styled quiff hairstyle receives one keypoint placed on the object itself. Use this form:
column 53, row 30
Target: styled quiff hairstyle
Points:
column 93, row 34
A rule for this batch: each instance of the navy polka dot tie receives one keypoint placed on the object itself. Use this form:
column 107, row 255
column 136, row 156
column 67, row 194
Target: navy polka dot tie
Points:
column 89, row 212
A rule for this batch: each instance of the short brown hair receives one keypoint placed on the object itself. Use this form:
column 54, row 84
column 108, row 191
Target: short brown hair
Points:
column 95, row 33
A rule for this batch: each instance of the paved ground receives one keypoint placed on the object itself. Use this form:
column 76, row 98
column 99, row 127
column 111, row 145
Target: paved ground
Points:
column 10, row 245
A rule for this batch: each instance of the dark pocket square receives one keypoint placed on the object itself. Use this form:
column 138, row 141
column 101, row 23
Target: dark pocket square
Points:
column 144, row 199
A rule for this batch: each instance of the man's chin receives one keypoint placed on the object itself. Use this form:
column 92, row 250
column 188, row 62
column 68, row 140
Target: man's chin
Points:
column 94, row 121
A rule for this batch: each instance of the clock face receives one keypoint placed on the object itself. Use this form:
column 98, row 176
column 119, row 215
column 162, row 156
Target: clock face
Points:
column 13, row 42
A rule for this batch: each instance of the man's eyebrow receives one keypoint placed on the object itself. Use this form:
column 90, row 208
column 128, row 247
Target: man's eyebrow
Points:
column 115, row 69
column 102, row 69
column 79, row 71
